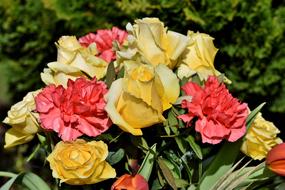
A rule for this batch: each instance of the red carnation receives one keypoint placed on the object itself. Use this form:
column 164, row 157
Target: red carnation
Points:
column 74, row 111
column 104, row 42
column 220, row 116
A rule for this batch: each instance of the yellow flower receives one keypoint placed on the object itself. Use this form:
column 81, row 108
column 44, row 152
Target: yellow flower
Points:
column 260, row 138
column 80, row 162
column 139, row 99
column 154, row 44
column 23, row 121
column 199, row 57
column 73, row 60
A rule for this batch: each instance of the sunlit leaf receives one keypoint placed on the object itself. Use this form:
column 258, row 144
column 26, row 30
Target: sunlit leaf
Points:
column 147, row 165
column 195, row 147
column 166, row 173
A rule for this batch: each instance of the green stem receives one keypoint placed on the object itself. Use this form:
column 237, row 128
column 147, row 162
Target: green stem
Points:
column 34, row 152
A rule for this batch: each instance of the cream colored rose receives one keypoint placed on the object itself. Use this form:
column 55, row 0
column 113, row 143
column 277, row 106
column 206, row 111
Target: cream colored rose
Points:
column 199, row 57
column 80, row 162
column 139, row 99
column 260, row 138
column 73, row 60
column 153, row 43
column 23, row 121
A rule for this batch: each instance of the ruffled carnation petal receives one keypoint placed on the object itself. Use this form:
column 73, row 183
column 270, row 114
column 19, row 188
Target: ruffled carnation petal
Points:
column 220, row 116
column 74, row 111
column 104, row 42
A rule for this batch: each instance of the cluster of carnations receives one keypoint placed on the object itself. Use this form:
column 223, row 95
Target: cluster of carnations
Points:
column 112, row 93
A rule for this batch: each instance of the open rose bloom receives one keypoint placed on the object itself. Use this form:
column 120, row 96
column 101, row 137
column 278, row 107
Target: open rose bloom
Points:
column 142, row 108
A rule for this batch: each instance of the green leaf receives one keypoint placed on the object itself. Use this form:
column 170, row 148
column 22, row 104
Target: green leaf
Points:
column 195, row 147
column 193, row 16
column 223, row 162
column 7, row 174
column 181, row 183
column 9, row 183
column 166, row 173
column 121, row 73
column 172, row 120
column 42, row 139
column 147, row 164
column 253, row 114
column 156, row 185
column 34, row 182
column 140, row 142
column 115, row 157
column 182, row 144
column 30, row 180
column 111, row 74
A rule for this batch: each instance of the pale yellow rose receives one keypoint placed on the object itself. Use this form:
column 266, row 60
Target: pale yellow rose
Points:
column 153, row 43
column 80, row 162
column 139, row 99
column 74, row 60
column 260, row 138
column 199, row 58
column 23, row 121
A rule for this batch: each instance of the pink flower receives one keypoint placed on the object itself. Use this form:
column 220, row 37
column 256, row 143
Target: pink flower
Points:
column 104, row 41
column 220, row 116
column 74, row 111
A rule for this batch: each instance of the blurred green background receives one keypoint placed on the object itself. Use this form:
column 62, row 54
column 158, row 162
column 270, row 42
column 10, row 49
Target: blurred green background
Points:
column 249, row 35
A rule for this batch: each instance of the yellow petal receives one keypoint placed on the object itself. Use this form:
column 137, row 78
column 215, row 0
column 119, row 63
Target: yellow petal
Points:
column 170, row 85
column 260, row 138
column 146, row 43
column 14, row 137
column 177, row 43
column 91, row 65
column 132, row 109
column 112, row 99
column 200, row 54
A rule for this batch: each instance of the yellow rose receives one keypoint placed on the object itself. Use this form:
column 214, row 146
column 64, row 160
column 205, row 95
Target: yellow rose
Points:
column 73, row 60
column 260, row 138
column 80, row 162
column 23, row 121
column 139, row 99
column 199, row 57
column 155, row 45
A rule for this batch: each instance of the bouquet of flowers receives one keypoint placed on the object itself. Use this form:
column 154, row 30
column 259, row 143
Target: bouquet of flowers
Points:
column 142, row 109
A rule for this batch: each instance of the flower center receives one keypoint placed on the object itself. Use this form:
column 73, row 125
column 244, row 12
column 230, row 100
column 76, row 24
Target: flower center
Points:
column 143, row 73
column 74, row 154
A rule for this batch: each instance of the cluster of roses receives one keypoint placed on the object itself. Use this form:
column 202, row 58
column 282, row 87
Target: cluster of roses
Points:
column 77, row 101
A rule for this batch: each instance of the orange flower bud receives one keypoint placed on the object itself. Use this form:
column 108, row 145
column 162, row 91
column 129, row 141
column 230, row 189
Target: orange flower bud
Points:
column 129, row 182
column 276, row 159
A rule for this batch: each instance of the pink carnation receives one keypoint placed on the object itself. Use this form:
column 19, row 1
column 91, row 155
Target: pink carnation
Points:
column 220, row 116
column 74, row 111
column 104, row 41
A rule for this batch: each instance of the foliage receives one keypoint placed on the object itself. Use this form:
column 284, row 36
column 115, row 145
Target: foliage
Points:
column 249, row 34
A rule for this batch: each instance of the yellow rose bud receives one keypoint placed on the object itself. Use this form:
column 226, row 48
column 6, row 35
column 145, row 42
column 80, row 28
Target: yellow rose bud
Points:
column 73, row 61
column 260, row 138
column 80, row 162
column 23, row 121
column 144, row 91
column 200, row 56
column 155, row 45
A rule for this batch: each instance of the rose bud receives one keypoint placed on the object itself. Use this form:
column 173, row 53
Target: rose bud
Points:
column 275, row 160
column 129, row 182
